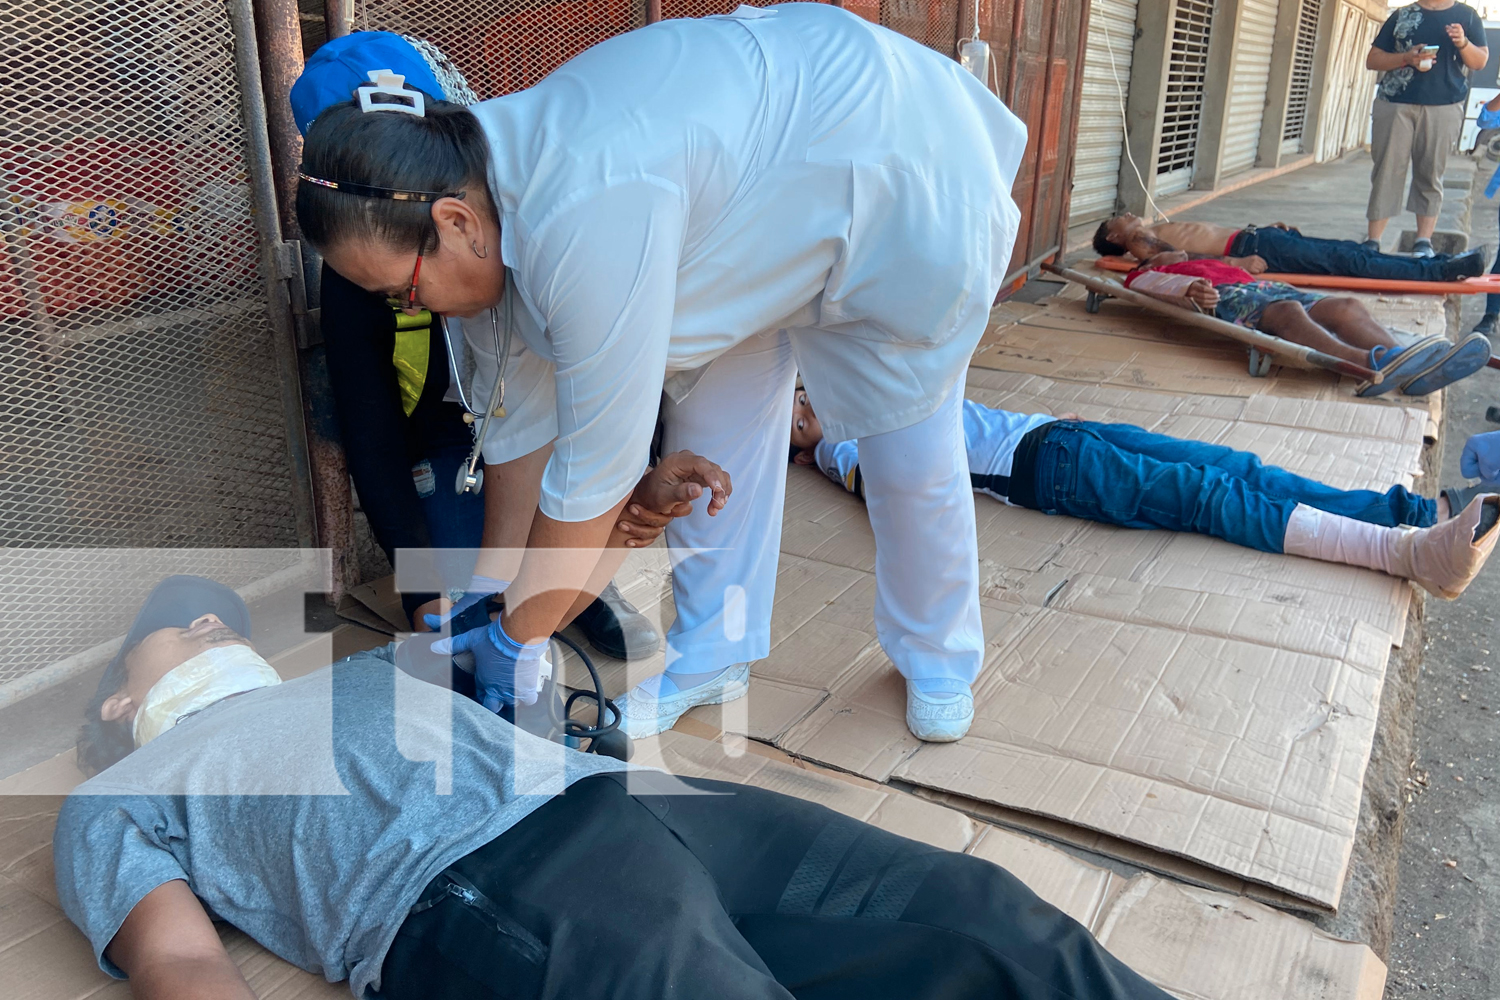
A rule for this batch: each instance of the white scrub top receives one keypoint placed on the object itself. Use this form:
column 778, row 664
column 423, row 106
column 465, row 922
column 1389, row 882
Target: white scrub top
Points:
column 674, row 190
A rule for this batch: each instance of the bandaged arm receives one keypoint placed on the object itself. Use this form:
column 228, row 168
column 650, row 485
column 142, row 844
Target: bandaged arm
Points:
column 1170, row 288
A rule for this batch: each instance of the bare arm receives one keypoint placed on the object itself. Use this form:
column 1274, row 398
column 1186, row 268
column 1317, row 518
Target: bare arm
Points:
column 665, row 492
column 1473, row 55
column 510, row 496
column 1255, row 263
column 170, row 950
column 560, row 560
column 1382, row 61
column 1144, row 246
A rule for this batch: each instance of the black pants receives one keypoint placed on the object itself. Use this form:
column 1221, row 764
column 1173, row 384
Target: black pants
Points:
column 1287, row 251
column 604, row 895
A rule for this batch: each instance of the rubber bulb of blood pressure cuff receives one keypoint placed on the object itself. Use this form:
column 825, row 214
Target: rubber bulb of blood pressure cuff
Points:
column 974, row 56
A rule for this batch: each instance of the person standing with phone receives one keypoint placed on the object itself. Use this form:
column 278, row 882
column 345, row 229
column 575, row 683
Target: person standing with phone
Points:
column 1424, row 53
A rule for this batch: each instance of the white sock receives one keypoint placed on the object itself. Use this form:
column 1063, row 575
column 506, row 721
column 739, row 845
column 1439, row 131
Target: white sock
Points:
column 668, row 683
column 1318, row 534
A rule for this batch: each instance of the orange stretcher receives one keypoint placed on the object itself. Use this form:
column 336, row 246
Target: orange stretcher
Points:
column 1483, row 285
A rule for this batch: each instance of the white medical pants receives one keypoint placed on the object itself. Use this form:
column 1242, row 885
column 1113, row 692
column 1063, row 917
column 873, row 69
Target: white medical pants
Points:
column 739, row 415
column 921, row 507
column 921, row 504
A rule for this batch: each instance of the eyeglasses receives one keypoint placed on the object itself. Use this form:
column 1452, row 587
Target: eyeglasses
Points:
column 411, row 290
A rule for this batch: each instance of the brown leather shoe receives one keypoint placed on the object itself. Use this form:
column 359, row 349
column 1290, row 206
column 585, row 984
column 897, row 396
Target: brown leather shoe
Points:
column 1445, row 558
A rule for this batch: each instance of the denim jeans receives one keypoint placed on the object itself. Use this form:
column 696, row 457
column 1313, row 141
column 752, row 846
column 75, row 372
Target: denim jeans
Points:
column 1289, row 252
column 1120, row 474
column 454, row 521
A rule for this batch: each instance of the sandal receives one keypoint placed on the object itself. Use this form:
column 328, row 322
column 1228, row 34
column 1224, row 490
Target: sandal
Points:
column 1401, row 364
column 1467, row 357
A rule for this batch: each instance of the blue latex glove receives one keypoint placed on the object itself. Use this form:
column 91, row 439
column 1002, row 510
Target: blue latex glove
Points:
column 480, row 588
column 1481, row 457
column 506, row 672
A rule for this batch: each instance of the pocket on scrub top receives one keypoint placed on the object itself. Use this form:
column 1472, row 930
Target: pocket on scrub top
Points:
column 913, row 263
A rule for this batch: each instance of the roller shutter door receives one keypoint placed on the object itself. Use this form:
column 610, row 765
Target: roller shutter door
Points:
column 1247, row 85
column 1182, row 110
column 1106, row 84
column 1302, row 65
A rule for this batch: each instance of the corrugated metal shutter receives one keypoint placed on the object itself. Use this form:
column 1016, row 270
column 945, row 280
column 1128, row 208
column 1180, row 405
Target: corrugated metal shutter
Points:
column 1247, row 84
column 1187, row 69
column 1106, row 83
column 1302, row 64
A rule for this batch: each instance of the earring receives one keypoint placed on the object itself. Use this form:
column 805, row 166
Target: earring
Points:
column 474, row 246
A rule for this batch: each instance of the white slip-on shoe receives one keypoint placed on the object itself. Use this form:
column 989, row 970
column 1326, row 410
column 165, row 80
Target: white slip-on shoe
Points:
column 940, row 717
column 643, row 713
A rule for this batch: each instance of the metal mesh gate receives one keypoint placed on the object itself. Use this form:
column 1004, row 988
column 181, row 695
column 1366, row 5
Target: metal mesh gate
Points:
column 1187, row 69
column 142, row 405
column 1302, row 66
column 506, row 45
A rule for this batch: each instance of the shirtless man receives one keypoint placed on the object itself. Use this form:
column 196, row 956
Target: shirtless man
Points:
column 1277, row 248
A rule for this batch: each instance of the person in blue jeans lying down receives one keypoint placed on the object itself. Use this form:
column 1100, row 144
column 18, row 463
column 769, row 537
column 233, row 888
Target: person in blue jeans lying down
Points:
column 1124, row 475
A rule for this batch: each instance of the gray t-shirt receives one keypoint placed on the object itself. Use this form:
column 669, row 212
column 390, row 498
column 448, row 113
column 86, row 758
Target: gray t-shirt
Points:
column 310, row 815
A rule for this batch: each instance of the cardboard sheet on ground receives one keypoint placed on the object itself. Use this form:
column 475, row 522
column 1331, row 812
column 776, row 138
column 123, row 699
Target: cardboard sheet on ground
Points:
column 1172, row 690
column 1196, row 944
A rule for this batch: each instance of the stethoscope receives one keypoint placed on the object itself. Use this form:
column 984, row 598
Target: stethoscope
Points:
column 470, row 475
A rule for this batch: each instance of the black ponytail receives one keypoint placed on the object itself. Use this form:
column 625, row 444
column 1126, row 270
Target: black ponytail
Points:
column 444, row 151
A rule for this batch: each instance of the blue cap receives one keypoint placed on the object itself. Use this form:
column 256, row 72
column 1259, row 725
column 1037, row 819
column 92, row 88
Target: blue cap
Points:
column 338, row 67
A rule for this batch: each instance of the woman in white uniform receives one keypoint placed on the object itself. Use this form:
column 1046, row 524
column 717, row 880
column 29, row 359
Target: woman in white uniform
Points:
column 694, row 211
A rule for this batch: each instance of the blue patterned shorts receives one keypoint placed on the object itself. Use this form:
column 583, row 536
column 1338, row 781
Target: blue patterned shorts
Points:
column 1244, row 302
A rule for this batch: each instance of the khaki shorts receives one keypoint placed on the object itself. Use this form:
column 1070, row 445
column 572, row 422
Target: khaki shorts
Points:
column 1421, row 135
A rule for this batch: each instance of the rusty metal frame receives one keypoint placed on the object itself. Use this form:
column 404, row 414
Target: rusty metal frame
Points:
column 268, row 228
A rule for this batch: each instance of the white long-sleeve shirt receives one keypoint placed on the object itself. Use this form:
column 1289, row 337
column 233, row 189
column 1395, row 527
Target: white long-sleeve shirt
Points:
column 677, row 189
column 991, row 437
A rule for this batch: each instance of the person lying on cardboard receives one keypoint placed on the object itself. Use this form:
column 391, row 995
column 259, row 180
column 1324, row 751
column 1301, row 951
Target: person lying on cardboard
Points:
column 1278, row 248
column 1339, row 325
column 368, row 826
column 1121, row 474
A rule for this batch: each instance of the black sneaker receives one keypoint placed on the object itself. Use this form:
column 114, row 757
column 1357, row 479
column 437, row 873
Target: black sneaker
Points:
column 615, row 628
column 1371, row 245
column 1487, row 324
column 1423, row 248
column 1469, row 264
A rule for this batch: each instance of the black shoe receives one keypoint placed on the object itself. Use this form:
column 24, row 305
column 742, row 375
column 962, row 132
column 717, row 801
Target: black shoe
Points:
column 1487, row 324
column 1423, row 248
column 1469, row 264
column 1371, row 245
column 615, row 628
column 1459, row 497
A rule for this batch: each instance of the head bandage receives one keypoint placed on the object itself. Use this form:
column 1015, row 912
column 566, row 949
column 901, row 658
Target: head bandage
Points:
column 211, row 676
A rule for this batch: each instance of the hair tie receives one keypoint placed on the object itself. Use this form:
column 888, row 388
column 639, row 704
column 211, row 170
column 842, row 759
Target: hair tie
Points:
column 384, row 81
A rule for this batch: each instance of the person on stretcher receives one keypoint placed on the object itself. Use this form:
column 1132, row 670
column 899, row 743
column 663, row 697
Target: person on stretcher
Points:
column 1278, row 248
column 1339, row 325
column 1124, row 475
